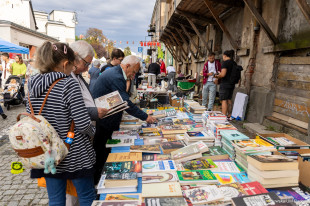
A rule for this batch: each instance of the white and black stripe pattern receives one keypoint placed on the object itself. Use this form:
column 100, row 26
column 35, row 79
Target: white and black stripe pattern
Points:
column 64, row 103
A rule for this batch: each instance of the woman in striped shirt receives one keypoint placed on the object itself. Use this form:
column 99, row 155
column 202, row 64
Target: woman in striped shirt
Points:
column 64, row 104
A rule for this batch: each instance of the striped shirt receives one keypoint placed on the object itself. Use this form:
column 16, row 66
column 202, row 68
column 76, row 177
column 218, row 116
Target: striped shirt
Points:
column 64, row 104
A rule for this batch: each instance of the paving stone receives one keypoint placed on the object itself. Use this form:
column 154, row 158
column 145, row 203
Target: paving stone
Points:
column 20, row 192
column 24, row 202
column 31, row 191
column 32, row 186
column 43, row 201
column 7, row 198
column 29, row 197
column 9, row 192
column 6, row 187
column 12, row 203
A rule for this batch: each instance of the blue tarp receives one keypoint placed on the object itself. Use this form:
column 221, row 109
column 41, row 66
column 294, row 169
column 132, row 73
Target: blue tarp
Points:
column 12, row 48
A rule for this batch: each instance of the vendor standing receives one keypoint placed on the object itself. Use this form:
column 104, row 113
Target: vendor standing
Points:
column 109, row 81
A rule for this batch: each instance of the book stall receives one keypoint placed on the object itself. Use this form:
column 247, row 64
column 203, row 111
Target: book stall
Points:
column 195, row 157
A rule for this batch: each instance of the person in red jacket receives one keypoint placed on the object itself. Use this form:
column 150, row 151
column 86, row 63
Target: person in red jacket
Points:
column 210, row 68
column 162, row 67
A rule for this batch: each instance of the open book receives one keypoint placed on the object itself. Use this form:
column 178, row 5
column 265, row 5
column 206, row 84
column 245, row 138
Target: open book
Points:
column 112, row 101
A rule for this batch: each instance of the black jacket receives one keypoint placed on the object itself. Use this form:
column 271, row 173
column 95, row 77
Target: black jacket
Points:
column 154, row 68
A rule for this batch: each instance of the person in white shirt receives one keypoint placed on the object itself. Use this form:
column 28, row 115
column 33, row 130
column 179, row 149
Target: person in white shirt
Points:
column 211, row 68
column 5, row 67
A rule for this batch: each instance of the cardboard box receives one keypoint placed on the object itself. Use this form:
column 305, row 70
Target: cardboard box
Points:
column 299, row 144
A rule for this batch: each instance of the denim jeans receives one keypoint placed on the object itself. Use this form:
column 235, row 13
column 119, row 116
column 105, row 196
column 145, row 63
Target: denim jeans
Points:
column 1, row 110
column 208, row 89
column 56, row 189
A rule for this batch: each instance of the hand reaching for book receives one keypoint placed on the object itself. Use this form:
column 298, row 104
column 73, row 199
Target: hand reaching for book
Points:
column 151, row 120
column 102, row 112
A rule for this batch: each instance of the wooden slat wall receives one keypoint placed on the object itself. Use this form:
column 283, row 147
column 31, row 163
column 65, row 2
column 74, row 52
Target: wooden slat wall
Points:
column 292, row 100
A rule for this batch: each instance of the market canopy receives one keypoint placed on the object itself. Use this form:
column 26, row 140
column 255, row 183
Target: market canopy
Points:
column 12, row 48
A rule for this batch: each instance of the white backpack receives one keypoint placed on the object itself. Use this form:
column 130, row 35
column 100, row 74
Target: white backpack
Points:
column 33, row 136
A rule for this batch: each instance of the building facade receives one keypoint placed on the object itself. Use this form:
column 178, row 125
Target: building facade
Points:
column 271, row 39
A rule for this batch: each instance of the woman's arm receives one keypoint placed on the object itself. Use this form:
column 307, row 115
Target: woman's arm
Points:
column 222, row 74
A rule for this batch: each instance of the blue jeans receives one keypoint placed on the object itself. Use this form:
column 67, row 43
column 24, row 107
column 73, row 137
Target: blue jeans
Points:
column 208, row 89
column 1, row 110
column 56, row 189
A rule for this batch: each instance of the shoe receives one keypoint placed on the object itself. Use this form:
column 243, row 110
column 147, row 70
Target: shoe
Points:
column 3, row 116
column 229, row 118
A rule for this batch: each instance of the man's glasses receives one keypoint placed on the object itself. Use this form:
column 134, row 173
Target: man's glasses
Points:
column 86, row 63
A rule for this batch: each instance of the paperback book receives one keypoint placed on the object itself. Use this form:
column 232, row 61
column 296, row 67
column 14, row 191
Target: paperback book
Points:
column 159, row 177
column 121, row 176
column 168, row 147
column 123, row 167
column 156, row 157
column 124, row 157
column 173, row 129
column 145, row 148
column 228, row 178
column 166, row 189
column 120, row 142
column 186, row 153
column 204, row 195
column 231, row 190
column 167, row 201
column 201, row 164
column 158, row 166
column 261, row 199
column 196, row 177
column 183, row 122
column 125, row 134
column 171, row 112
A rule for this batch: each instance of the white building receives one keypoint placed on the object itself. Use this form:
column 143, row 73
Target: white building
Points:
column 20, row 25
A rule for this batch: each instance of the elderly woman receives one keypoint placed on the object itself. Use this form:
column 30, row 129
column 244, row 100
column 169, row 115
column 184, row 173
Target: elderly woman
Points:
column 84, row 53
column 64, row 105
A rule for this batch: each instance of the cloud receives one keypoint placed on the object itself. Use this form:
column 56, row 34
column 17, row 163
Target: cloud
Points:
column 120, row 20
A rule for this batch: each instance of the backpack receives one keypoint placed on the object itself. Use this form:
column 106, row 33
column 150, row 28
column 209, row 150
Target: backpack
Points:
column 33, row 137
column 235, row 75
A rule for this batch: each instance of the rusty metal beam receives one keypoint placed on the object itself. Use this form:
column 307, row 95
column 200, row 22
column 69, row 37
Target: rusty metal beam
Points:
column 198, row 33
column 305, row 8
column 220, row 23
column 191, row 40
column 260, row 20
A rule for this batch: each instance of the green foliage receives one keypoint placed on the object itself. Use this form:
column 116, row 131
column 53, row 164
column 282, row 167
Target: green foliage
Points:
column 127, row 51
column 160, row 53
column 147, row 59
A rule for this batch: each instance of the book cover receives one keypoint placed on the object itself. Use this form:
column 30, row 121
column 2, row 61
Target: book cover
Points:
column 215, row 150
column 233, row 135
column 168, row 147
column 173, row 129
column 109, row 101
column 185, row 151
column 228, row 178
column 149, row 130
column 227, row 166
column 159, row 177
column 204, row 195
column 145, row 148
column 150, row 111
column 120, row 142
column 125, row 134
column 196, row 135
column 261, row 199
column 115, row 203
column 201, row 146
column 183, row 122
column 202, row 164
column 166, row 189
column 156, row 157
column 290, row 194
column 253, row 188
column 116, row 197
column 167, row 201
column 121, row 176
column 150, row 134
column 271, row 158
column 165, row 121
column 124, row 157
column 196, row 175
column 129, row 118
column 123, row 167
column 171, row 112
column 232, row 190
column 158, row 166
column 290, row 154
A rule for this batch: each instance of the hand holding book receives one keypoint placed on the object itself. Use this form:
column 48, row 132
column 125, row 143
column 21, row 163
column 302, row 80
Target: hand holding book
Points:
column 102, row 112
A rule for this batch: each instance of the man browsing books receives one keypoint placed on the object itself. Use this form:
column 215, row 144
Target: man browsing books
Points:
column 109, row 81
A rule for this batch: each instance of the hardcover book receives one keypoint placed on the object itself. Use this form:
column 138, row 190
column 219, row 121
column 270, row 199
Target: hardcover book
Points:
column 261, row 199
column 121, row 176
column 117, row 197
column 204, row 195
column 173, row 129
column 183, row 122
column 158, row 166
column 168, row 147
column 167, row 201
column 109, row 101
column 145, row 148
column 202, row 164
column 124, row 157
column 185, row 152
column 159, row 177
column 119, row 142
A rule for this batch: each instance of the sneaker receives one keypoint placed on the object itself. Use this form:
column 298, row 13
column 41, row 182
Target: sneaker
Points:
column 229, row 118
column 3, row 116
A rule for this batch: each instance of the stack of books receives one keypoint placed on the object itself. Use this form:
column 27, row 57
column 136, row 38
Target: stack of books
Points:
column 125, row 134
column 186, row 153
column 227, row 137
column 273, row 170
column 213, row 116
column 217, row 127
column 205, row 136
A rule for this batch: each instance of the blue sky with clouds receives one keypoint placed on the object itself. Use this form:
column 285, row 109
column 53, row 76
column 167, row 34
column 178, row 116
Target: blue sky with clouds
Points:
column 120, row 20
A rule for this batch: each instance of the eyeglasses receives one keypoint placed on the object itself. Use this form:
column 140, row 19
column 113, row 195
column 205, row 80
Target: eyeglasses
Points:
column 86, row 63
column 120, row 60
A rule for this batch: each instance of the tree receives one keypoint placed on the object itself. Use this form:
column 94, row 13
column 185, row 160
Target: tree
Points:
column 109, row 48
column 147, row 59
column 127, row 51
column 160, row 53
column 96, row 38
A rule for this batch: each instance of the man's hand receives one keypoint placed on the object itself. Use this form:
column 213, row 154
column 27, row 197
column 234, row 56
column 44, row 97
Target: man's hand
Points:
column 210, row 74
column 102, row 112
column 150, row 119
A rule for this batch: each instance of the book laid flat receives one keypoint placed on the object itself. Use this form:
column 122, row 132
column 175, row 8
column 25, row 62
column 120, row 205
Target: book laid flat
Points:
column 120, row 142
column 204, row 195
column 156, row 157
column 121, row 176
column 117, row 197
column 167, row 201
column 168, row 147
column 122, row 167
column 167, row 189
column 116, row 203
column 158, row 166
column 201, row 164
column 272, row 162
column 228, row 177
column 124, row 157
column 272, row 173
column 173, row 129
column 186, row 153
column 125, row 134
column 145, row 148
column 196, row 177
column 261, row 199
column 253, row 188
column 231, row 190
column 159, row 177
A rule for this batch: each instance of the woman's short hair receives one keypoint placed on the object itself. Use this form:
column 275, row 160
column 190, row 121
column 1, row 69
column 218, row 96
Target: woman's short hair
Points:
column 82, row 48
column 117, row 53
column 49, row 55
column 229, row 53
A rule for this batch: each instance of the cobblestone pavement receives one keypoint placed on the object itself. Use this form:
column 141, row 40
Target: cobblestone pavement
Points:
column 15, row 189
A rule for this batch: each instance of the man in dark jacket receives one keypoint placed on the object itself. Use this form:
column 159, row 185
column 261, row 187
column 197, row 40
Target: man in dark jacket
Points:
column 153, row 71
column 109, row 81
column 211, row 68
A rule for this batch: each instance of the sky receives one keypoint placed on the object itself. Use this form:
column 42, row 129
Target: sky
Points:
column 120, row 20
